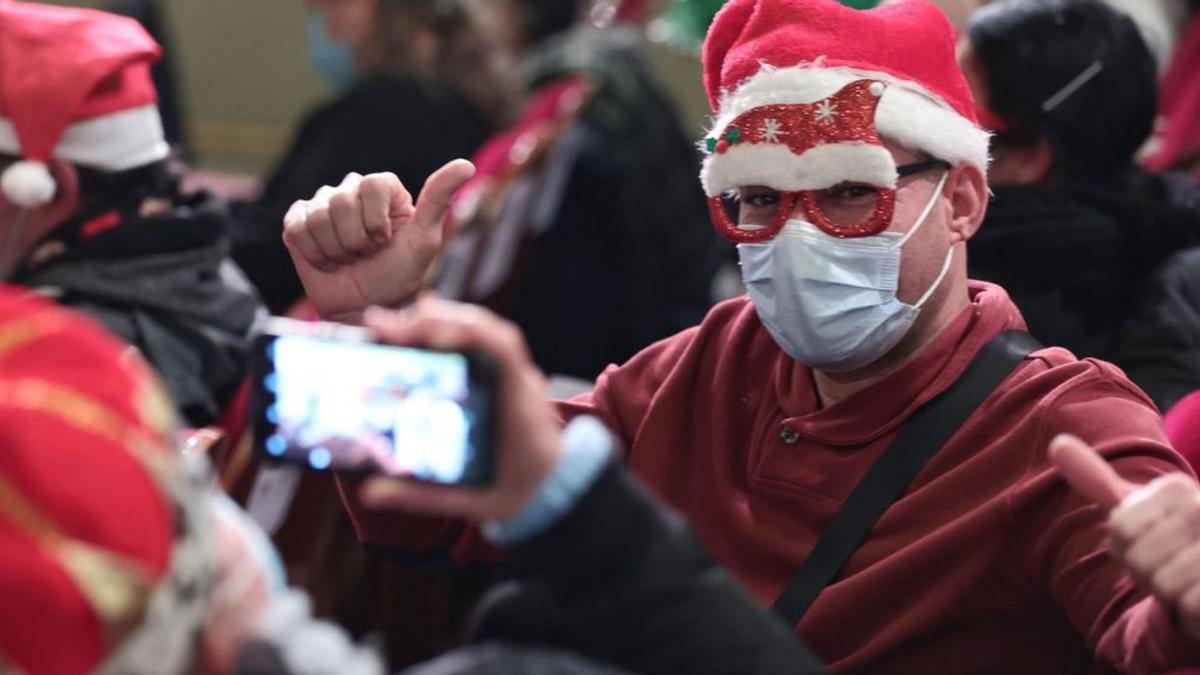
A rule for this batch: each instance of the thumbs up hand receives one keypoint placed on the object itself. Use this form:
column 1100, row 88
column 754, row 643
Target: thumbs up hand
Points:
column 1154, row 528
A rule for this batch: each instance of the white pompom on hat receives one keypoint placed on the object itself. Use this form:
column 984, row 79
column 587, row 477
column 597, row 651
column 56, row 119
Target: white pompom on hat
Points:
column 28, row 184
column 74, row 85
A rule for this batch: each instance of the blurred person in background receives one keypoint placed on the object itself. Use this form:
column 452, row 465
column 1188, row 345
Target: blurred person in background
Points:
column 584, row 223
column 417, row 83
column 90, row 213
column 1076, row 229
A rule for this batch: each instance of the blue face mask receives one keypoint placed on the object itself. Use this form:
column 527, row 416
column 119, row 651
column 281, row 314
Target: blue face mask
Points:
column 333, row 60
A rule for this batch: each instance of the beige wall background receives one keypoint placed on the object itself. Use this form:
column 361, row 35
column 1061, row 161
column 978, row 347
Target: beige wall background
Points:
column 244, row 80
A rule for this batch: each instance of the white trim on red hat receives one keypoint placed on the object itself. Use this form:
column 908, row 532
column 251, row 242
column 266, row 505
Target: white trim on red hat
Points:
column 116, row 142
column 776, row 167
column 907, row 114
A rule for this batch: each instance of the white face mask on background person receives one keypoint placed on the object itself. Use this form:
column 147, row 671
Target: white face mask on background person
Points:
column 830, row 303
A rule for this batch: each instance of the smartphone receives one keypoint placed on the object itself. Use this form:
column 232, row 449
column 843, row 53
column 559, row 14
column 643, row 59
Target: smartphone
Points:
column 327, row 397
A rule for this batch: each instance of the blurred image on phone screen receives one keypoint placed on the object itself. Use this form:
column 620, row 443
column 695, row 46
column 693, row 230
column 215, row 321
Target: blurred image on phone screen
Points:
column 361, row 406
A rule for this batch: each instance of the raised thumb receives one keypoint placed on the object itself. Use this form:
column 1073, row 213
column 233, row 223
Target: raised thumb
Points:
column 1087, row 472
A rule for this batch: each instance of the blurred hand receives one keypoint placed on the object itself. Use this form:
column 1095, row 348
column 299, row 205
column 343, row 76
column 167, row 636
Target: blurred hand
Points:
column 529, row 440
column 1155, row 528
column 365, row 243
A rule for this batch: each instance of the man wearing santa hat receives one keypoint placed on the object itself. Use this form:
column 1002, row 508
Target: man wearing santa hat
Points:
column 89, row 213
column 847, row 164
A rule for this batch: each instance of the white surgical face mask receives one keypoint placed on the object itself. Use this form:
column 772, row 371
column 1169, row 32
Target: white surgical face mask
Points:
column 831, row 303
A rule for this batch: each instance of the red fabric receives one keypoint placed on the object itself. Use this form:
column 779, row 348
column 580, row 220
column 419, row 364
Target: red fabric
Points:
column 75, row 412
column 506, row 152
column 1183, row 428
column 910, row 40
column 632, row 11
column 1179, row 102
column 60, row 65
column 989, row 562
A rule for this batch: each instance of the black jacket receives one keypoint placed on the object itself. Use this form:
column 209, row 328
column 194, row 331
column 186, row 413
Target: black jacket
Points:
column 381, row 124
column 1079, row 261
column 624, row 253
column 1161, row 347
column 623, row 580
column 164, row 284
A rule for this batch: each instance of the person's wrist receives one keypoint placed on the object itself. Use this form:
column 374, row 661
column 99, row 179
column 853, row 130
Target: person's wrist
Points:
column 587, row 446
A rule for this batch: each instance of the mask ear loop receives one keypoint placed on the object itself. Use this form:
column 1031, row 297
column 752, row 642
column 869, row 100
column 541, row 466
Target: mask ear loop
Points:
column 938, row 281
column 937, row 192
column 921, row 222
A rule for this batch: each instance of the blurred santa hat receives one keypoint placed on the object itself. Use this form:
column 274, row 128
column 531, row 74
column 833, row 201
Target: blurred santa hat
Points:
column 74, row 85
column 767, row 52
column 1178, row 139
column 105, row 559
column 1183, row 428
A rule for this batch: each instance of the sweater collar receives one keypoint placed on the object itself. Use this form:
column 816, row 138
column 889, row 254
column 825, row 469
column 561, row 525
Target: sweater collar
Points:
column 879, row 409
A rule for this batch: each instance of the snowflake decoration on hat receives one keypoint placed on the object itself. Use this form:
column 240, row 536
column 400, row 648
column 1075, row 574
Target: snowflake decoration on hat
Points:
column 771, row 130
column 826, row 112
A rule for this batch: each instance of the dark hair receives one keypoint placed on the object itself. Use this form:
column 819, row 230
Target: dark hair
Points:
column 1032, row 51
column 126, row 190
column 100, row 189
column 547, row 18
column 464, row 60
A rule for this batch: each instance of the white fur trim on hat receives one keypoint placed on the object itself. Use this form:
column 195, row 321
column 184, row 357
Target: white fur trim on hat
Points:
column 27, row 184
column 116, row 142
column 775, row 166
column 907, row 114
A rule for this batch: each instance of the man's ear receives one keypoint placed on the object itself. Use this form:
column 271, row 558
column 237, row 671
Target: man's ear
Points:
column 968, row 193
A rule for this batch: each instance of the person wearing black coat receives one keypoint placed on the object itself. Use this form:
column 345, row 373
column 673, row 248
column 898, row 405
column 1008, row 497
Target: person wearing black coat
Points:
column 601, row 244
column 1076, row 232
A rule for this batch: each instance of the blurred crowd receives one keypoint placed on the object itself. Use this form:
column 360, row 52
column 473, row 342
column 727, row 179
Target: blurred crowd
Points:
column 888, row 191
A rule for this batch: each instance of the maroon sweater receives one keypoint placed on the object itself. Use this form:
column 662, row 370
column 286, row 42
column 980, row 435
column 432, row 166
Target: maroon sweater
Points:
column 988, row 563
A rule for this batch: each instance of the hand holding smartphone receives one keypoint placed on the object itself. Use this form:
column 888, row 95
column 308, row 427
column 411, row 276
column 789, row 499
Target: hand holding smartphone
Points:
column 328, row 397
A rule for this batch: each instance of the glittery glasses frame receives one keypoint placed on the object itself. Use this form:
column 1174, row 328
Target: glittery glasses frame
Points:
column 876, row 223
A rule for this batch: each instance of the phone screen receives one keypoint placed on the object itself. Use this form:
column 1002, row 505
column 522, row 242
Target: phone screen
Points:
column 343, row 405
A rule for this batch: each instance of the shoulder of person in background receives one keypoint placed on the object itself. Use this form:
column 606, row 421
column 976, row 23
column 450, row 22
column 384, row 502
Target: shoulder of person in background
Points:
column 1160, row 347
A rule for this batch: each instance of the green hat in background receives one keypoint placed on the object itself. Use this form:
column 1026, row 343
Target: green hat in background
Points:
column 685, row 22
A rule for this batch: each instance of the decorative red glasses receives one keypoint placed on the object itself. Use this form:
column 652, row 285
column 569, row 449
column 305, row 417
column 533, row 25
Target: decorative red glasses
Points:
column 756, row 214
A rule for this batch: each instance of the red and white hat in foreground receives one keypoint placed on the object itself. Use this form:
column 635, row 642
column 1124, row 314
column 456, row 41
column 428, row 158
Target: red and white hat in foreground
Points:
column 74, row 85
column 765, row 56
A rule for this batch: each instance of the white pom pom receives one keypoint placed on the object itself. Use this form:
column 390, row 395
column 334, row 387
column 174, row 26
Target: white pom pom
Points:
column 877, row 89
column 28, row 184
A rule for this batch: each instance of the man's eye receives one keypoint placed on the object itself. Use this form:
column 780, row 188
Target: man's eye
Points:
column 852, row 191
column 761, row 199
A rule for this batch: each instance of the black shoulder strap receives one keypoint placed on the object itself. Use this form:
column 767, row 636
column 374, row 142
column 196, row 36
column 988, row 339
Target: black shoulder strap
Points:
column 918, row 441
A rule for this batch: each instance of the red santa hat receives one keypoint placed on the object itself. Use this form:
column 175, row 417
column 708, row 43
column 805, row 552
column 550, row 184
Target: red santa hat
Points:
column 74, row 85
column 791, row 52
column 103, row 553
